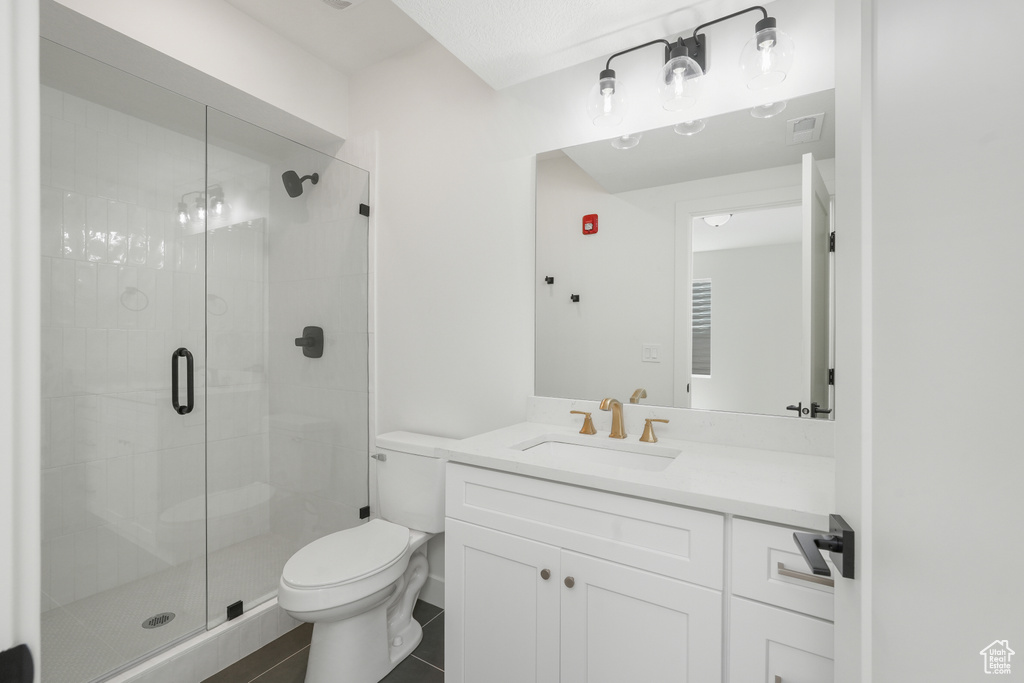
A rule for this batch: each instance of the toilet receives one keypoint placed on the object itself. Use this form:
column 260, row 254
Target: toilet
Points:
column 358, row 587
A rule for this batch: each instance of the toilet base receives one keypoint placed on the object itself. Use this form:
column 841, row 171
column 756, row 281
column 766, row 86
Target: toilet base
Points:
column 356, row 650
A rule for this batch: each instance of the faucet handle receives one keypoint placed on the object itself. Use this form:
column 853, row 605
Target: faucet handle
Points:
column 637, row 395
column 588, row 424
column 648, row 434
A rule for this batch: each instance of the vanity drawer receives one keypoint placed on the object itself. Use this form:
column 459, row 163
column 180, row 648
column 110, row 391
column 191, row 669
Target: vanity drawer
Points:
column 674, row 541
column 771, row 645
column 767, row 566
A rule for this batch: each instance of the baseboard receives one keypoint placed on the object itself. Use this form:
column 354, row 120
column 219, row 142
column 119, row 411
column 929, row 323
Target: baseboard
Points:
column 433, row 591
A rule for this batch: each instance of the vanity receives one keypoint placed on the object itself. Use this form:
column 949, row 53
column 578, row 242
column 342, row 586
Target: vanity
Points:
column 573, row 557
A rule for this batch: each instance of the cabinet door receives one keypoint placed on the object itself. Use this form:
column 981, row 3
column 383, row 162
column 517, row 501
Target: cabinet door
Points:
column 501, row 615
column 771, row 645
column 625, row 624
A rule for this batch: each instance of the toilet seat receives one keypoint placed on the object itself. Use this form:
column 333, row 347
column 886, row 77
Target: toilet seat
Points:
column 346, row 556
column 344, row 567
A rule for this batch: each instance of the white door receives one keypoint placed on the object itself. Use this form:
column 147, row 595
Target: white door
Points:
column 501, row 624
column 625, row 624
column 815, row 283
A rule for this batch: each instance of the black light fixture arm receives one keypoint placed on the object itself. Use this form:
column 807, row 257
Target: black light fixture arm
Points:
column 755, row 8
column 668, row 46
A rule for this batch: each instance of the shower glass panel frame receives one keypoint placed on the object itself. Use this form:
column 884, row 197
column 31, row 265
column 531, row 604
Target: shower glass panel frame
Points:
column 169, row 242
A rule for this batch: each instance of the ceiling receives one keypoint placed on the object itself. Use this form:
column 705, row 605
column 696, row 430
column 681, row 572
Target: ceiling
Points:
column 503, row 41
column 762, row 227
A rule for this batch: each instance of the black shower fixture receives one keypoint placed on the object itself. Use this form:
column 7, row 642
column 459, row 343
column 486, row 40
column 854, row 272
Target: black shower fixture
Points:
column 293, row 183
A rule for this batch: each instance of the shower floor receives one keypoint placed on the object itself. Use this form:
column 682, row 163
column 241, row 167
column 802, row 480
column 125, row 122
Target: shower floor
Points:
column 87, row 639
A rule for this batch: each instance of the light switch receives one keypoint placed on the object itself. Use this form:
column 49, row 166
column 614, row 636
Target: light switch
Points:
column 651, row 353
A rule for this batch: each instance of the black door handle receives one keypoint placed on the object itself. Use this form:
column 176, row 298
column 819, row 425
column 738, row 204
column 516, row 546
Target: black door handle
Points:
column 190, row 394
column 839, row 542
column 817, row 410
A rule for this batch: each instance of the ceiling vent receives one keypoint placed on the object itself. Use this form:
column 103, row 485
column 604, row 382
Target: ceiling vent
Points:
column 804, row 129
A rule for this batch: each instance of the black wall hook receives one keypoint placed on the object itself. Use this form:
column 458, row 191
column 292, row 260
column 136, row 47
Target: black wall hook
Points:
column 575, row 298
column 311, row 341
column 549, row 279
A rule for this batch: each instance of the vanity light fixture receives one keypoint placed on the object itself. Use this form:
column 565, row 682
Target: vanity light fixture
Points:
column 197, row 214
column 764, row 62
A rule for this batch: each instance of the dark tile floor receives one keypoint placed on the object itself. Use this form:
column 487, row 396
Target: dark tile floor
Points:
column 284, row 660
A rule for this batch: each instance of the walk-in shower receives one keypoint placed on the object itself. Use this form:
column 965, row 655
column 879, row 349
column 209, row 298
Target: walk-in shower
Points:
column 189, row 448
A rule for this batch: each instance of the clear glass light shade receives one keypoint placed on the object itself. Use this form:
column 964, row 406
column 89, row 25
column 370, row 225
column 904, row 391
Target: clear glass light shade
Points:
column 606, row 103
column 183, row 216
column 768, row 109
column 689, row 127
column 766, row 58
column 626, row 141
column 680, row 83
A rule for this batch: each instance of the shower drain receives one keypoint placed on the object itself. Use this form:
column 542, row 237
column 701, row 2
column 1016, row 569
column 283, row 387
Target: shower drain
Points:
column 158, row 620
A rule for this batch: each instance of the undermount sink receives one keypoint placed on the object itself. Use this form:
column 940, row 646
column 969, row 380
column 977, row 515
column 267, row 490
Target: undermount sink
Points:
column 558, row 450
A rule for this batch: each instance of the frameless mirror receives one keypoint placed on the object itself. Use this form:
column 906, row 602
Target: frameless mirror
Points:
column 693, row 266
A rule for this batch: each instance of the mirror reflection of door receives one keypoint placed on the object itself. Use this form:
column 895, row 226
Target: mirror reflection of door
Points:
column 815, row 285
column 746, row 302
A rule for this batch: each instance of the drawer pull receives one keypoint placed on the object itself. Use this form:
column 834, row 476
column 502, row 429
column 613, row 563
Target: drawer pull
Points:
column 545, row 574
column 570, row 582
column 778, row 679
column 810, row 578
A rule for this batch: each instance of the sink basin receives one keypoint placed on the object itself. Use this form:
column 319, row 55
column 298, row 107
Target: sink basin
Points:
column 636, row 456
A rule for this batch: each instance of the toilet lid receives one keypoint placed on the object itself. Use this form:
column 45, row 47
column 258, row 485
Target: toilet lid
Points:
column 347, row 555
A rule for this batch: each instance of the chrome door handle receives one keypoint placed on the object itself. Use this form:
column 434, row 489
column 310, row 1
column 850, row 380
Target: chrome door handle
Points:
column 810, row 578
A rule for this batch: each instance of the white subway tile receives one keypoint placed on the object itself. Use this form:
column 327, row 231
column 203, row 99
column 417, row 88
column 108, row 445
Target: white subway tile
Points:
column 96, row 492
column 45, row 305
column 62, row 570
column 117, row 232
column 74, row 110
column 106, row 557
column 97, row 351
column 127, row 297
column 155, row 228
column 62, row 292
column 95, row 117
column 117, row 360
column 137, row 358
column 107, row 295
column 106, row 165
column 73, row 361
column 72, row 498
column 127, row 552
column 74, row 226
column 96, row 227
column 138, row 241
column 127, row 171
column 85, row 294
column 62, row 431
column 144, row 299
column 52, row 221
column 90, row 424
column 62, row 154
column 53, row 524
column 51, row 101
column 86, row 160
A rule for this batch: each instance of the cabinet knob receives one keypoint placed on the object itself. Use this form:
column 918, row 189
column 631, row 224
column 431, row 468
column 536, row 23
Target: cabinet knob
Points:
column 570, row 582
column 545, row 574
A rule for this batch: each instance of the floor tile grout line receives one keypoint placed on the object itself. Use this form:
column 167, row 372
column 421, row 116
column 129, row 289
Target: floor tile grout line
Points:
column 427, row 663
column 432, row 618
column 278, row 664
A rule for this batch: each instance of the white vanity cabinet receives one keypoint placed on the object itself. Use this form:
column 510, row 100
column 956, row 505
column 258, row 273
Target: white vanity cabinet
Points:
column 780, row 615
column 549, row 582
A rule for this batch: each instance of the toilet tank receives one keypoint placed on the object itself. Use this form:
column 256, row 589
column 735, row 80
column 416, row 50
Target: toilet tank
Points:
column 410, row 480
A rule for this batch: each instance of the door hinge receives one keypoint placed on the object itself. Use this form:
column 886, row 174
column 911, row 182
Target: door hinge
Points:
column 364, row 209
column 364, row 512
column 831, row 377
column 832, row 241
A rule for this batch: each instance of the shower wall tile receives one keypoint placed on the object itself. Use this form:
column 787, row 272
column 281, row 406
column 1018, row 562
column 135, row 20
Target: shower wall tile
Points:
column 86, row 158
column 74, row 110
column 51, row 101
column 96, row 228
column 62, row 154
column 73, row 361
column 74, row 226
column 62, row 292
column 52, row 221
column 117, row 232
column 106, row 165
column 85, row 294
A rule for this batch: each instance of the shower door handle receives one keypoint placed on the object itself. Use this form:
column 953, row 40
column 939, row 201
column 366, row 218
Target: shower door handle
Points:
column 189, row 381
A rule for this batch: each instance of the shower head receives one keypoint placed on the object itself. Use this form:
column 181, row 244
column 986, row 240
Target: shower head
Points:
column 293, row 183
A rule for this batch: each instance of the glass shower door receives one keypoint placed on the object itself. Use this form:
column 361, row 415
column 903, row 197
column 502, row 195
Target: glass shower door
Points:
column 288, row 355
column 123, row 314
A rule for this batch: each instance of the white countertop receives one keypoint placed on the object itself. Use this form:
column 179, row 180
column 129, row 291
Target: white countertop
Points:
column 774, row 486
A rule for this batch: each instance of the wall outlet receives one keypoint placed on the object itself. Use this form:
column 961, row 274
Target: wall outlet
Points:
column 651, row 353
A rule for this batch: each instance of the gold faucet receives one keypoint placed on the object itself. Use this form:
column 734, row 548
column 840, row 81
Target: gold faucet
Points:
column 588, row 424
column 648, row 434
column 637, row 395
column 618, row 431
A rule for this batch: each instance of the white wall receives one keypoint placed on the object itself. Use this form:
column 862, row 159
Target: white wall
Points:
column 946, row 331
column 213, row 53
column 755, row 329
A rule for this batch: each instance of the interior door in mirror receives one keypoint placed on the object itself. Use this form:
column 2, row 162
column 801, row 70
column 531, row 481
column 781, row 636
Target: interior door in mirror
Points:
column 815, row 284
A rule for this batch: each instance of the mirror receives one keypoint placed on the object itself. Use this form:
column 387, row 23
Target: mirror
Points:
column 695, row 267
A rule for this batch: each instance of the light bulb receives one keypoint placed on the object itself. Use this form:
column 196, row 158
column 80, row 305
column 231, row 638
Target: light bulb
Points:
column 182, row 213
column 680, row 80
column 606, row 103
column 767, row 57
